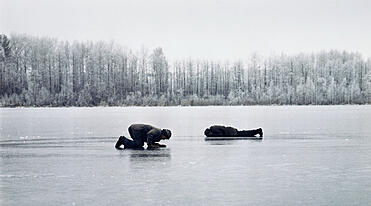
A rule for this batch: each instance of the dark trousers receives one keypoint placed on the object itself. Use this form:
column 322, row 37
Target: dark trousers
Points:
column 135, row 143
column 130, row 144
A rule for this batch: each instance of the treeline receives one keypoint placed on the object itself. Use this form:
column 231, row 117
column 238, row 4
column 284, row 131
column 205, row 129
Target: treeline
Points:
column 46, row 72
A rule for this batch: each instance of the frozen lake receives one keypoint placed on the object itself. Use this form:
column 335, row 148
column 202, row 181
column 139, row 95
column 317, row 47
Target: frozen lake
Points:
column 310, row 155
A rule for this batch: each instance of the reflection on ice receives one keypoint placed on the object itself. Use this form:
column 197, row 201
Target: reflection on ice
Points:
column 149, row 155
column 231, row 142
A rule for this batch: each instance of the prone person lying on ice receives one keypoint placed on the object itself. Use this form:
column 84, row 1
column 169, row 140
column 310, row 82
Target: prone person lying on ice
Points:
column 223, row 131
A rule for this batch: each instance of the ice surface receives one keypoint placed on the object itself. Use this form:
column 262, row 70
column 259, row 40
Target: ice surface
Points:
column 310, row 155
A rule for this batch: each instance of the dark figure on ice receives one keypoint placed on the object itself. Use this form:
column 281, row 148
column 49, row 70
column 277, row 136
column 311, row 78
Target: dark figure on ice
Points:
column 222, row 131
column 141, row 133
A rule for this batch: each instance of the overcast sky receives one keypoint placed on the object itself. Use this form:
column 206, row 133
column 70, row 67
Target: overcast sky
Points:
column 219, row 29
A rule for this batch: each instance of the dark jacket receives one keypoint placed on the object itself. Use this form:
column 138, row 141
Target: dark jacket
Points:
column 221, row 131
column 141, row 133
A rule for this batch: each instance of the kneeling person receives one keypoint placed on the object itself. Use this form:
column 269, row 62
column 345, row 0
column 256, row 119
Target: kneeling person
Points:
column 222, row 131
column 141, row 133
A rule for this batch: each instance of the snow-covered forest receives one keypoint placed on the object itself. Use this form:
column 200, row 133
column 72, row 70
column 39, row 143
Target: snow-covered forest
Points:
column 38, row 71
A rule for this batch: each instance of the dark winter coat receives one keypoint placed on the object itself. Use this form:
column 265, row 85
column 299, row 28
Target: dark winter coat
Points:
column 221, row 131
column 141, row 133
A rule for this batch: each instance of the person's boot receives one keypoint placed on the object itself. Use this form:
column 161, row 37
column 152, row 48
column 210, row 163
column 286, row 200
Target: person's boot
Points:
column 120, row 142
column 260, row 132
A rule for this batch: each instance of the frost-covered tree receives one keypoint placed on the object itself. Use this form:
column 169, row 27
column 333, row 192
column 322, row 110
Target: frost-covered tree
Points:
column 160, row 71
column 46, row 72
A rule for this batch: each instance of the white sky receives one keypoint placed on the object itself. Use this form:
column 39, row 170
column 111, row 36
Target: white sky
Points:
column 219, row 29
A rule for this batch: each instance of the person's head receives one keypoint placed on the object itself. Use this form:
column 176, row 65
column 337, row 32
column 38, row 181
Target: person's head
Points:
column 207, row 131
column 165, row 134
